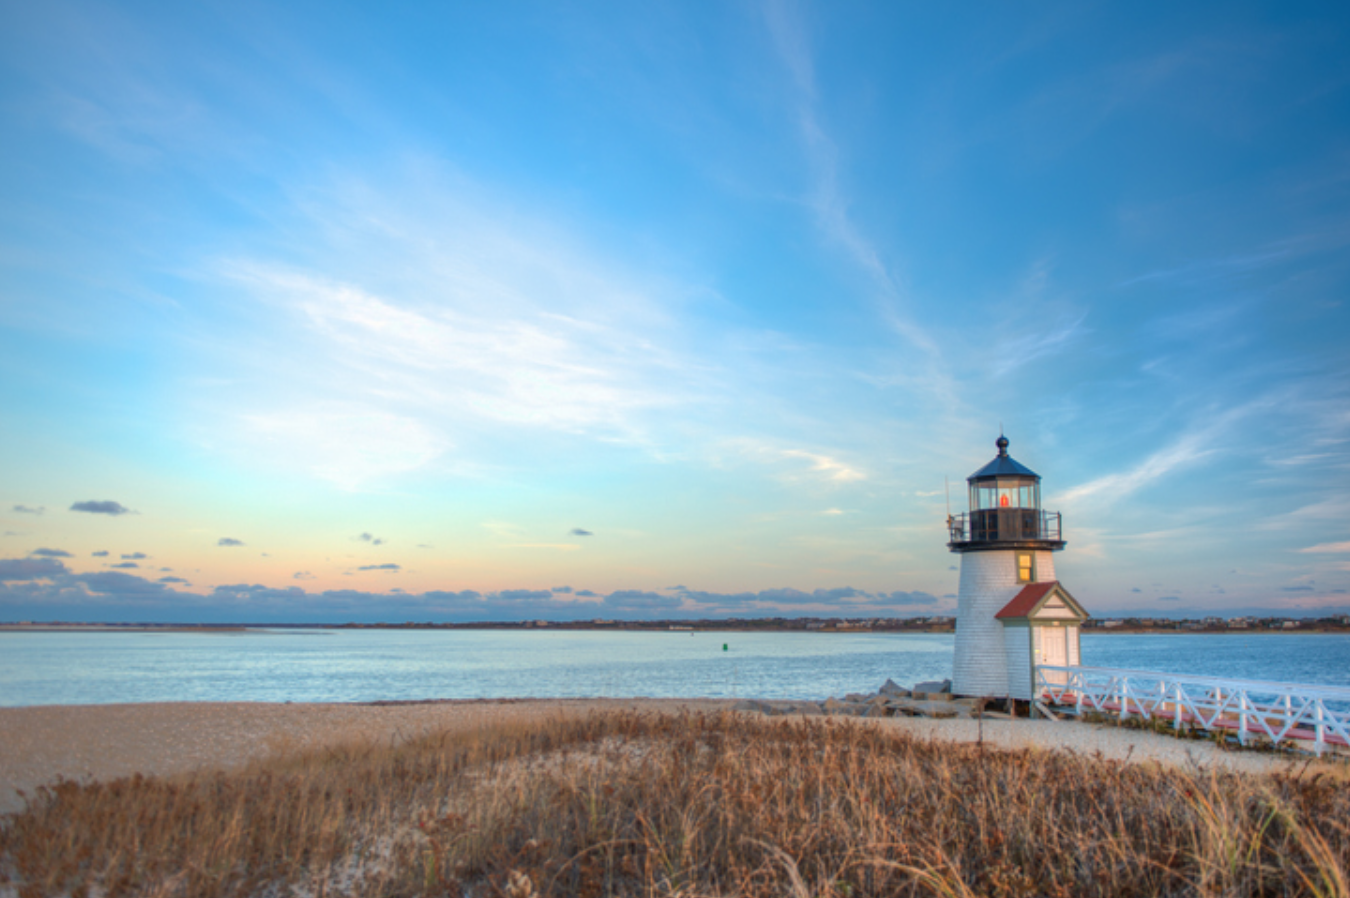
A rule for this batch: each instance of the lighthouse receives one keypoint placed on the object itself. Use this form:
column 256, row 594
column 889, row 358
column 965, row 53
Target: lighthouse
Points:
column 1012, row 613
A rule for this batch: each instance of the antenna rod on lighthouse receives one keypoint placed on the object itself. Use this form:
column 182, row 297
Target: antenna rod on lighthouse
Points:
column 947, row 488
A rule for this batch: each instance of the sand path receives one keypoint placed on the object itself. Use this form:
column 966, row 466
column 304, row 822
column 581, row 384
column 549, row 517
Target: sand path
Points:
column 39, row 744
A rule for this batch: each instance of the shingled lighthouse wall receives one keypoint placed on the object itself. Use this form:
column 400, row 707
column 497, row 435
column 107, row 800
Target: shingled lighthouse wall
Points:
column 988, row 583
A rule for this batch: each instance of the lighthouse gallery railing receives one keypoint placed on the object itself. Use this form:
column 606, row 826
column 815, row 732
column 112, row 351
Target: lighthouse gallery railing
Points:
column 997, row 524
column 1278, row 712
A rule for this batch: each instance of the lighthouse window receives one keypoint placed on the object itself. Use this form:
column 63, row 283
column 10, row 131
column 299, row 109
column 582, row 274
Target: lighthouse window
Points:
column 1026, row 567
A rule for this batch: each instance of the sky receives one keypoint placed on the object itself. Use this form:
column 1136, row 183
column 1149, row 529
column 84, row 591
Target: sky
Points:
column 437, row 312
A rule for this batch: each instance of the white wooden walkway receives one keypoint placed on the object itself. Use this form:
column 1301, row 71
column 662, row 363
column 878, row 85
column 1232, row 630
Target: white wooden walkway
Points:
column 1316, row 716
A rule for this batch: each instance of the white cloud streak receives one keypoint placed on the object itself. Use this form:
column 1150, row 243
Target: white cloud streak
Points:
column 826, row 198
column 486, row 329
column 1020, row 351
column 1329, row 548
column 1186, row 451
column 827, row 467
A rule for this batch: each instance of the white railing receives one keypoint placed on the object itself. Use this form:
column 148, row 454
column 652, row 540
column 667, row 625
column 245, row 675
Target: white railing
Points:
column 1279, row 712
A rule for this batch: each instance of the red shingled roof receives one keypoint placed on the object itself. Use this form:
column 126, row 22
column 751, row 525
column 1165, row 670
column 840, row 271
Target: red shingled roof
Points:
column 1023, row 603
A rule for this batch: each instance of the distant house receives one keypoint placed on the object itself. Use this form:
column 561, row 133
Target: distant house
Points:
column 1290, row 625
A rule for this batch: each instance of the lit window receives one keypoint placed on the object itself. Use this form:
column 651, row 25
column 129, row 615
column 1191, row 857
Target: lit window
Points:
column 1026, row 567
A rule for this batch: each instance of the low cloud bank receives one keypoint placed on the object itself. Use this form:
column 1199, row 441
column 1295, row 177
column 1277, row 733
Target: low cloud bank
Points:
column 45, row 589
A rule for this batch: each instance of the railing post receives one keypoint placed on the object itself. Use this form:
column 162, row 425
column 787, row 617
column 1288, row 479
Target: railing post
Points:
column 1243, row 705
column 1319, row 731
column 1123, row 699
column 1176, row 705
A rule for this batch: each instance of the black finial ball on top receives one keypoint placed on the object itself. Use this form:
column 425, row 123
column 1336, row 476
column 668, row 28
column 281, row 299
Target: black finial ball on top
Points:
column 1002, row 444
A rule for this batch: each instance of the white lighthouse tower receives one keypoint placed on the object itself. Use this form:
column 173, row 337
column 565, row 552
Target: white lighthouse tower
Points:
column 1012, row 613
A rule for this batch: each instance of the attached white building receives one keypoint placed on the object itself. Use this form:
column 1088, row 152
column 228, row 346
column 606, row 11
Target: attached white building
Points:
column 1011, row 611
column 1040, row 626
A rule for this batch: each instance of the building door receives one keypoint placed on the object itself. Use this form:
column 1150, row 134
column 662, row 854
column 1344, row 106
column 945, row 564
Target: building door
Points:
column 1055, row 652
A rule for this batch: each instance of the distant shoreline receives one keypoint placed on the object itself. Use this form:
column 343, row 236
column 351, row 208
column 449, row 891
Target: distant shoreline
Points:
column 1180, row 629
column 127, row 628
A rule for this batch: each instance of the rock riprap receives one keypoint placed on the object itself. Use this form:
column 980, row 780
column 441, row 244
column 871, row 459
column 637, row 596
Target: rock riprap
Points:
column 932, row 699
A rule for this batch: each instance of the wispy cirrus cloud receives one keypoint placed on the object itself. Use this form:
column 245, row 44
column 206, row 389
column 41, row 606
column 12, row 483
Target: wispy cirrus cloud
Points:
column 1018, row 351
column 791, row 39
column 1204, row 270
column 346, row 443
column 1329, row 548
column 498, row 326
column 1188, row 450
column 1203, row 440
column 820, row 466
column 827, row 467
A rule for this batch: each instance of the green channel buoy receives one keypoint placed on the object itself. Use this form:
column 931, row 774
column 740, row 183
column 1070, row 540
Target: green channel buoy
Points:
column 724, row 646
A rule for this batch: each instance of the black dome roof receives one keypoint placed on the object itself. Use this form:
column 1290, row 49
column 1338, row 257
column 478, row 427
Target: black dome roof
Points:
column 1003, row 465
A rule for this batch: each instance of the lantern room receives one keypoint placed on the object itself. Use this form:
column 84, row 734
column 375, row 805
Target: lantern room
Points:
column 1005, row 509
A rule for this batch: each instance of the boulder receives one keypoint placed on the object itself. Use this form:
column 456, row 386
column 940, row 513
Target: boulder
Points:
column 845, row 708
column 934, row 687
column 856, row 697
column 924, row 708
column 750, row 704
column 890, row 687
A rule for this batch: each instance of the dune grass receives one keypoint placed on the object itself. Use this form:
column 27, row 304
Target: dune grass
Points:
column 632, row 804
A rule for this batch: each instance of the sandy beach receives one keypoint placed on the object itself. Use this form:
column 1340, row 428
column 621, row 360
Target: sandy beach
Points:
column 100, row 742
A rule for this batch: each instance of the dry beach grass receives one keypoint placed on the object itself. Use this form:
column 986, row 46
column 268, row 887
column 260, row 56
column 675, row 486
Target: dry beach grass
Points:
column 101, row 742
column 644, row 803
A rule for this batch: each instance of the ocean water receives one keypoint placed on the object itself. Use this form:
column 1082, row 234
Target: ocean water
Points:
column 369, row 665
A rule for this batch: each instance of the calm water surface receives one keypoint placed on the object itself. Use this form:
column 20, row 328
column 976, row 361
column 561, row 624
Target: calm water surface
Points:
column 366, row 665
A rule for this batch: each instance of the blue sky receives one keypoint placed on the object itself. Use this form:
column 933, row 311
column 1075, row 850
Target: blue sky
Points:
column 444, row 312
